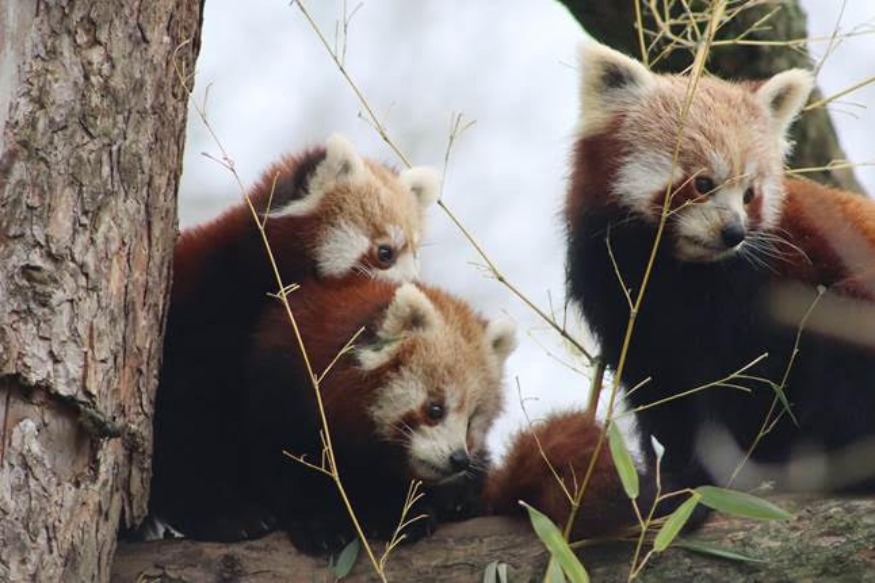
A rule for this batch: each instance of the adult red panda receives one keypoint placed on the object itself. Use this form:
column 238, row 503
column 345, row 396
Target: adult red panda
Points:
column 326, row 213
column 743, row 252
column 412, row 400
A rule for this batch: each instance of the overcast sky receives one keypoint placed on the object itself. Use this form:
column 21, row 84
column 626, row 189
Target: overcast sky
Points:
column 510, row 67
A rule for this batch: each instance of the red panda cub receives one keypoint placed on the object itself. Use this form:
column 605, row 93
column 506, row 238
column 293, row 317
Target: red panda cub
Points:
column 326, row 213
column 413, row 400
column 567, row 440
column 743, row 254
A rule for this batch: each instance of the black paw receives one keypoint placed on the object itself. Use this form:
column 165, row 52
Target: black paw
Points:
column 245, row 523
column 320, row 535
column 459, row 500
column 425, row 521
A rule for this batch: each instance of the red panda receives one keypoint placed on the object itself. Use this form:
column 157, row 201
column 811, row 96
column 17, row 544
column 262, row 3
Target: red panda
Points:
column 413, row 400
column 568, row 440
column 743, row 253
column 326, row 213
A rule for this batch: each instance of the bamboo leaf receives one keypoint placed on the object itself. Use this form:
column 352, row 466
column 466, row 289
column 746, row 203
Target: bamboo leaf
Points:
column 623, row 461
column 675, row 523
column 704, row 549
column 741, row 504
column 347, row 559
column 556, row 544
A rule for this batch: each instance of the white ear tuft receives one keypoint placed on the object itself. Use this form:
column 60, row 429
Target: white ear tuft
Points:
column 501, row 335
column 784, row 95
column 610, row 82
column 424, row 182
column 341, row 159
column 410, row 311
column 341, row 162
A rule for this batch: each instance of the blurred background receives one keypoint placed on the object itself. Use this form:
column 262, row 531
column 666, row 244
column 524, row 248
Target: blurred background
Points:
column 508, row 68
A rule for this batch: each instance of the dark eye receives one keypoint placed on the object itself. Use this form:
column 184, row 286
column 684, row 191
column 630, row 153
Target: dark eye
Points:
column 435, row 411
column 748, row 195
column 385, row 255
column 704, row 185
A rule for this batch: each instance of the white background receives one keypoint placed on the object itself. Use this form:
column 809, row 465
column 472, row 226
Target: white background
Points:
column 508, row 66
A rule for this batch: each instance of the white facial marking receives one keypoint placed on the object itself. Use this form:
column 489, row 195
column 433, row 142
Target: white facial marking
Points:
column 720, row 168
column 699, row 227
column 340, row 249
column 401, row 395
column 642, row 174
column 729, row 198
column 773, row 200
column 431, row 446
column 406, row 268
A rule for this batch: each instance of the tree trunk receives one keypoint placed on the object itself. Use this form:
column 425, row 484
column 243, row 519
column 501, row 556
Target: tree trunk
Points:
column 835, row 537
column 93, row 117
column 613, row 23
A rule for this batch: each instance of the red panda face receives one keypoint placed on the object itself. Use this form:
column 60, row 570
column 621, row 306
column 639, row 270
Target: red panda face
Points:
column 370, row 219
column 712, row 162
column 442, row 389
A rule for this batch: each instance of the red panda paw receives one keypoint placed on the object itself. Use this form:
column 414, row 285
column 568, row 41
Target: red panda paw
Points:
column 320, row 534
column 568, row 440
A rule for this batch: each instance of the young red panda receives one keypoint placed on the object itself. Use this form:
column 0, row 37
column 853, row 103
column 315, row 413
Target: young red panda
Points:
column 327, row 213
column 413, row 400
column 568, row 440
column 738, row 266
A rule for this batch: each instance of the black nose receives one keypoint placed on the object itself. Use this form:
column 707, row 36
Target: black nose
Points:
column 459, row 460
column 732, row 234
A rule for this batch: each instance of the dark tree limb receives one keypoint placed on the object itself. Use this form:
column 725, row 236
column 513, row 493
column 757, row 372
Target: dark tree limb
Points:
column 613, row 23
column 829, row 540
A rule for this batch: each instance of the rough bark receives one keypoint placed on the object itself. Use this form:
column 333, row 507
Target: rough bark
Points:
column 829, row 540
column 93, row 121
column 613, row 23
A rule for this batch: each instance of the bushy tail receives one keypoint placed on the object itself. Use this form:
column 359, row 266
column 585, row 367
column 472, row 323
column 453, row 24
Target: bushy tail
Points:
column 568, row 440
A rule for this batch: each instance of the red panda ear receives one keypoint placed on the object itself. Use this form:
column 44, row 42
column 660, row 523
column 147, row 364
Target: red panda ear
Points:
column 610, row 82
column 341, row 163
column 341, row 160
column 423, row 182
column 410, row 312
column 784, row 95
column 501, row 336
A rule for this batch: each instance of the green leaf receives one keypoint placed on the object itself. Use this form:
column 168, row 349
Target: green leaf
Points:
column 496, row 572
column 741, row 504
column 490, row 574
column 785, row 402
column 552, row 538
column 674, row 523
column 347, row 558
column 704, row 549
column 554, row 573
column 502, row 572
column 623, row 461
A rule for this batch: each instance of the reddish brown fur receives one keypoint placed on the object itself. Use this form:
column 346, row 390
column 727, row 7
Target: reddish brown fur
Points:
column 444, row 351
column 836, row 230
column 603, row 155
column 325, row 330
column 228, row 250
column 568, row 439
column 732, row 279
column 222, row 280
